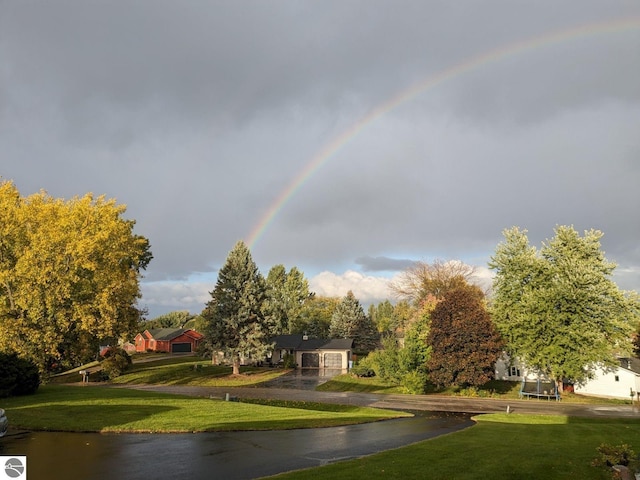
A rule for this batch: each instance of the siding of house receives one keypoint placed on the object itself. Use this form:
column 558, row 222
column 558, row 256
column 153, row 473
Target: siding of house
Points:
column 614, row 384
column 323, row 360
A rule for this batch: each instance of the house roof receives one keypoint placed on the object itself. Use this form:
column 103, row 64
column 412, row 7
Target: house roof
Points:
column 299, row 342
column 630, row 363
column 168, row 334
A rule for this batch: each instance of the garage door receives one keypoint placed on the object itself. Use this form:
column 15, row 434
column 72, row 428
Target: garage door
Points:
column 180, row 348
column 332, row 360
column 310, row 360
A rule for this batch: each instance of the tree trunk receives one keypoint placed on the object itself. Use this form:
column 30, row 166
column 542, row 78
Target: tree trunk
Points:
column 236, row 365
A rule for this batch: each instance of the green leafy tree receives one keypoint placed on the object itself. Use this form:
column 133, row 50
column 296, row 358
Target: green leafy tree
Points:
column 350, row 321
column 558, row 309
column 384, row 317
column 235, row 319
column 286, row 294
column 177, row 319
column 315, row 316
column 464, row 342
column 69, row 275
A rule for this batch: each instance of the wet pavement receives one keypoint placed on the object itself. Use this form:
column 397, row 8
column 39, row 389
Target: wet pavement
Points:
column 307, row 379
column 433, row 403
column 229, row 455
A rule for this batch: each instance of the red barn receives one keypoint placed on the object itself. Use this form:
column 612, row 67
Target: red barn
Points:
column 170, row 340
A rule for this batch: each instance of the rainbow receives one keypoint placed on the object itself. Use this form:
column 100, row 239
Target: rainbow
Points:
column 329, row 150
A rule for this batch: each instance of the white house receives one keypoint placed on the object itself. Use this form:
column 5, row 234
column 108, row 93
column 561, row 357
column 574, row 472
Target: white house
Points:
column 614, row 382
column 515, row 370
column 313, row 352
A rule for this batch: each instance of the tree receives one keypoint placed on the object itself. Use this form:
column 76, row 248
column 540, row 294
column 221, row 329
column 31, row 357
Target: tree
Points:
column 69, row 275
column 423, row 280
column 383, row 317
column 465, row 344
column 315, row 317
column 235, row 320
column 558, row 309
column 286, row 294
column 177, row 319
column 349, row 321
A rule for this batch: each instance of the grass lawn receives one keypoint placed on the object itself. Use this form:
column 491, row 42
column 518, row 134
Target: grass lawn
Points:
column 184, row 370
column 494, row 389
column 99, row 409
column 499, row 447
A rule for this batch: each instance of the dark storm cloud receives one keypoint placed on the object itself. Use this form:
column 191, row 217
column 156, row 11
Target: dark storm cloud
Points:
column 383, row 264
column 198, row 115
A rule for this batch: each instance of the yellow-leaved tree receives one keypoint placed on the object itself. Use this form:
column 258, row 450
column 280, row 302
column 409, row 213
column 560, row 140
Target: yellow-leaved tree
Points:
column 69, row 276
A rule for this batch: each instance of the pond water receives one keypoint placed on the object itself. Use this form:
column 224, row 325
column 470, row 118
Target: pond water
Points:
column 229, row 455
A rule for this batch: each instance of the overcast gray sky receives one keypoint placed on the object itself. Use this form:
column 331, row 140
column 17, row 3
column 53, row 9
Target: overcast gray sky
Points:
column 433, row 126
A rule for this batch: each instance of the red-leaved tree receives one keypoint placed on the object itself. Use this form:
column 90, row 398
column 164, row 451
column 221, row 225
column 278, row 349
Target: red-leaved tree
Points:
column 465, row 343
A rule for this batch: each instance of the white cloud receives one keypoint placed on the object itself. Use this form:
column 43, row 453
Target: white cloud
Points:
column 162, row 297
column 368, row 289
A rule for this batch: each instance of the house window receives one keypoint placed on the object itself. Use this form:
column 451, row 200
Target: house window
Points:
column 514, row 371
column 617, row 378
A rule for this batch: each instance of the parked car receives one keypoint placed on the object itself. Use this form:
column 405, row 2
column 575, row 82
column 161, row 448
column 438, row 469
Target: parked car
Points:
column 4, row 423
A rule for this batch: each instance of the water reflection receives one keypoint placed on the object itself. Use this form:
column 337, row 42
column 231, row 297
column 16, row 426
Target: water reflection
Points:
column 231, row 455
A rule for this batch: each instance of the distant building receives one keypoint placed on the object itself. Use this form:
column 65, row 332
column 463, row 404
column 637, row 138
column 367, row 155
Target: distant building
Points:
column 169, row 340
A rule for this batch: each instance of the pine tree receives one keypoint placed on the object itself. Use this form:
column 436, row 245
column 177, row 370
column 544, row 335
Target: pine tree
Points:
column 286, row 295
column 349, row 321
column 234, row 318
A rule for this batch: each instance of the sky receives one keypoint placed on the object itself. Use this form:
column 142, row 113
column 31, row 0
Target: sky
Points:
column 346, row 138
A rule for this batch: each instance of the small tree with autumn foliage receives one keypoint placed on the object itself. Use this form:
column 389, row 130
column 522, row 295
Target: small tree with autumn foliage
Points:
column 464, row 342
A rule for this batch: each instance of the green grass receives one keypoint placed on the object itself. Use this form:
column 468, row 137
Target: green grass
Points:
column 100, row 409
column 183, row 370
column 500, row 446
column 350, row 383
column 493, row 389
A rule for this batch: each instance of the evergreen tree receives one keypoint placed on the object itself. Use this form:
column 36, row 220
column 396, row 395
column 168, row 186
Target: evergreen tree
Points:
column 465, row 343
column 558, row 309
column 234, row 318
column 349, row 321
column 286, row 294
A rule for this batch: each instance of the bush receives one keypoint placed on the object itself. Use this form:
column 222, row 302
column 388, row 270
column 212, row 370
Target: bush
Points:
column 363, row 369
column 610, row 455
column 289, row 361
column 414, row 382
column 115, row 363
column 18, row 376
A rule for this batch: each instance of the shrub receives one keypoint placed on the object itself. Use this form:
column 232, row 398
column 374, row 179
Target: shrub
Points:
column 363, row 369
column 18, row 376
column 610, row 455
column 115, row 363
column 414, row 382
column 289, row 361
